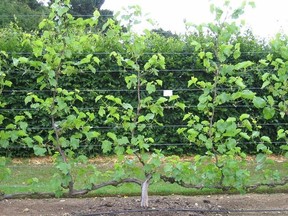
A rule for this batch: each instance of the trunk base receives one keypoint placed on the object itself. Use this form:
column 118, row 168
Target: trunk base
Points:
column 144, row 192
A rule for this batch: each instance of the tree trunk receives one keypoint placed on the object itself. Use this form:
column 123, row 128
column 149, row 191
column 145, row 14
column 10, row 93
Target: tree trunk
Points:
column 144, row 192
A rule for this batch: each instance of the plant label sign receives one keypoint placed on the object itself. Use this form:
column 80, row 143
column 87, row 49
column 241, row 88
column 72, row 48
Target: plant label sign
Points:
column 167, row 93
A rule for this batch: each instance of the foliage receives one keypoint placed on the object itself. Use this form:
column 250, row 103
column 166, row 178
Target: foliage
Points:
column 220, row 135
column 83, row 92
column 27, row 14
column 275, row 102
column 135, row 117
column 85, row 7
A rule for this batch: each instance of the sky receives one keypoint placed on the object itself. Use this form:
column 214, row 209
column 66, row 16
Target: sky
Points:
column 268, row 18
column 265, row 20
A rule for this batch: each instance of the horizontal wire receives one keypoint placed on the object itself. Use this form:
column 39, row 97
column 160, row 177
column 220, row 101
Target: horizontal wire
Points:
column 151, row 145
column 130, row 71
column 149, row 126
column 43, row 14
column 121, row 90
column 145, row 53
column 119, row 71
column 93, row 108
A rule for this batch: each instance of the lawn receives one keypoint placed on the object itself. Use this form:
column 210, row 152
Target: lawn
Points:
column 35, row 176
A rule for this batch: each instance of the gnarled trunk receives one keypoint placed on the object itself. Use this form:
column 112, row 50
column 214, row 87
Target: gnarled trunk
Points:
column 144, row 191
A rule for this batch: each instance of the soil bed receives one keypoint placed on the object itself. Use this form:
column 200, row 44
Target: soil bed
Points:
column 220, row 205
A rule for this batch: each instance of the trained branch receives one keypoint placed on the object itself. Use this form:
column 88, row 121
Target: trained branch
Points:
column 70, row 194
column 172, row 180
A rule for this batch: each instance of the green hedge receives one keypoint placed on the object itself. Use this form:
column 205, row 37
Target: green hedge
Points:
column 181, row 64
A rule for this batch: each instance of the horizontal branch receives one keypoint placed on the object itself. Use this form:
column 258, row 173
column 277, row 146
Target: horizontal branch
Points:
column 172, row 180
column 27, row 195
column 104, row 184
column 270, row 184
column 72, row 194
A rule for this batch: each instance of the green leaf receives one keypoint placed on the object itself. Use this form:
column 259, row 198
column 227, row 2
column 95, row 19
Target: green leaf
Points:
column 173, row 97
column 79, row 97
column 196, row 44
column 74, row 143
column 268, row 112
column 192, row 134
column 252, row 4
column 247, row 94
column 39, row 151
column 231, row 144
column 255, row 134
column 159, row 82
column 40, row 79
column 96, row 60
column 98, row 98
column 271, row 101
column 131, row 81
column 119, row 150
column 23, row 125
column 1, row 119
column 149, row 116
column 245, row 135
column 161, row 100
column 186, row 116
column 181, row 130
column 8, row 83
column 64, row 167
column 265, row 83
column 247, row 124
column 243, row 65
column 91, row 135
column 130, row 151
column 141, row 119
column 112, row 136
column 91, row 116
column 19, row 118
column 4, row 143
column 239, row 82
column 127, row 106
column 244, row 116
column 106, row 146
column 64, row 142
column 259, row 102
column 266, row 139
column 114, row 99
column 38, row 138
column 201, row 55
column 28, row 114
column 150, row 88
column 192, row 81
column 123, row 141
column 28, row 141
column 261, row 147
column 260, row 158
column 101, row 111
column 281, row 134
column 180, row 105
column 265, row 76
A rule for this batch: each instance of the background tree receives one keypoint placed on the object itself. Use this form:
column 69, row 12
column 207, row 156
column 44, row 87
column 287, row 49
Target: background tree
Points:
column 26, row 13
column 165, row 33
column 85, row 9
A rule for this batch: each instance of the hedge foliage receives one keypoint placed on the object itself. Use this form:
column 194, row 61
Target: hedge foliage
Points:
column 107, row 77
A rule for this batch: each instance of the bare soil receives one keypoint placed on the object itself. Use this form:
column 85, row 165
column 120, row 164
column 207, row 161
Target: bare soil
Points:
column 220, row 205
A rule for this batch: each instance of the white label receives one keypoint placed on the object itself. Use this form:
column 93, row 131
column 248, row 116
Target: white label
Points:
column 167, row 93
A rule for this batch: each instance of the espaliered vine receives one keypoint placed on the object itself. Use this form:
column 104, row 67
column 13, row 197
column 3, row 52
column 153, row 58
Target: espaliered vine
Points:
column 66, row 48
